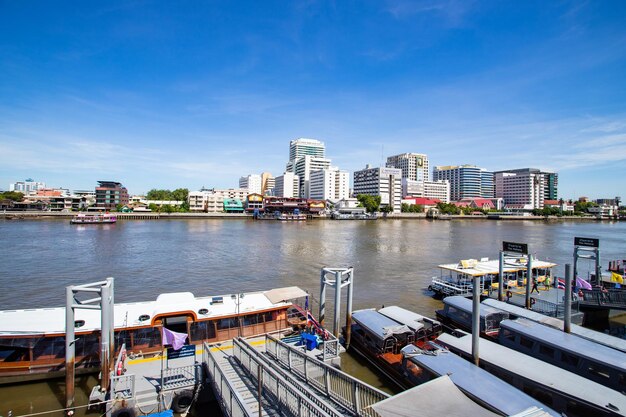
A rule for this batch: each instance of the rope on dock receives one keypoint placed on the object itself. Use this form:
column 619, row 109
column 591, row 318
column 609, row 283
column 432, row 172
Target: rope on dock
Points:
column 65, row 409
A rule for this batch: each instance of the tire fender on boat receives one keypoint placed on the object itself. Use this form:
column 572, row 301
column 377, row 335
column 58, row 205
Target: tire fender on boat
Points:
column 123, row 412
column 181, row 401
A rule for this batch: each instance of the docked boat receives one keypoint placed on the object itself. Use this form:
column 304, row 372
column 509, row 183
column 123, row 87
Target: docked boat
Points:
column 561, row 390
column 32, row 341
column 379, row 339
column 479, row 385
column 98, row 218
column 457, row 313
column 458, row 278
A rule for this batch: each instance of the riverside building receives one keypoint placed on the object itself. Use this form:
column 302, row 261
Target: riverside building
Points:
column 110, row 193
column 329, row 184
column 439, row 190
column 212, row 200
column 252, row 182
column 414, row 166
column 383, row 182
column 268, row 182
column 466, row 181
column 287, row 185
column 526, row 188
column 27, row 186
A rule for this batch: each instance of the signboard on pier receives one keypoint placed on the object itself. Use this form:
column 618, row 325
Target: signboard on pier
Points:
column 587, row 241
column 515, row 247
column 185, row 351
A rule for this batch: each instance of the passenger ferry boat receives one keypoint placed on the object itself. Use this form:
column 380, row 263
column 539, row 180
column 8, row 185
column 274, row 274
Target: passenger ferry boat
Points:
column 457, row 313
column 583, row 357
column 379, row 338
column 458, row 278
column 98, row 218
column 32, row 341
column 479, row 385
column 561, row 390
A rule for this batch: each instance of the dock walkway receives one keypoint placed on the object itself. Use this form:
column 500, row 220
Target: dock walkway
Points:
column 280, row 378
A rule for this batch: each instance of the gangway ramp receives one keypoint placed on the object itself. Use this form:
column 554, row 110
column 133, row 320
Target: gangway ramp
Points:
column 237, row 379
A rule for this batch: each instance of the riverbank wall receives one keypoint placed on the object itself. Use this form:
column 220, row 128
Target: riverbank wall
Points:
column 23, row 215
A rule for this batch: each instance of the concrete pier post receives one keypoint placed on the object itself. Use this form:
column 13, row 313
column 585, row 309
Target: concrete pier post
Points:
column 69, row 348
column 567, row 322
column 476, row 320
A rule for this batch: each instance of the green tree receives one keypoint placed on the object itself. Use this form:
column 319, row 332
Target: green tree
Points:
column 12, row 195
column 180, row 194
column 370, row 202
column 119, row 207
column 155, row 194
column 448, row 208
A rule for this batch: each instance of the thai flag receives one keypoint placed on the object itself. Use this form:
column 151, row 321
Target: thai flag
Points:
column 560, row 283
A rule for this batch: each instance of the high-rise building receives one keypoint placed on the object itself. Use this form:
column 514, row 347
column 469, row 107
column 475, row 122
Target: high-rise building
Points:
column 301, row 147
column 414, row 166
column 329, row 184
column 27, row 186
column 466, row 181
column 383, row 182
column 287, row 185
column 252, row 182
column 267, row 183
column 110, row 193
column 527, row 187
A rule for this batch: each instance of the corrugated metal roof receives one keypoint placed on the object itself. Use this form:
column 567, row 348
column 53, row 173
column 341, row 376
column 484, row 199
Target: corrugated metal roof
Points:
column 403, row 316
column 465, row 304
column 379, row 325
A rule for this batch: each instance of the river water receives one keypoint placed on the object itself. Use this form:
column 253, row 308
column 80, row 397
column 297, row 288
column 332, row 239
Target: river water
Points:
column 393, row 261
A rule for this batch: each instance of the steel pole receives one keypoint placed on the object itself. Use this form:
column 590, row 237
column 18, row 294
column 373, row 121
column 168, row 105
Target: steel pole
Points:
column 567, row 322
column 111, row 302
column 598, row 268
column 575, row 262
column 322, row 297
column 501, row 276
column 529, row 278
column 69, row 348
column 349, row 307
column 476, row 320
column 337, row 316
column 104, row 338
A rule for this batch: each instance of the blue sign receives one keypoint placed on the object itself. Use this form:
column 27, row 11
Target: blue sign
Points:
column 184, row 352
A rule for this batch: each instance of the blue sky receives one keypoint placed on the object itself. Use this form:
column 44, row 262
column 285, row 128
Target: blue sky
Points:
column 191, row 94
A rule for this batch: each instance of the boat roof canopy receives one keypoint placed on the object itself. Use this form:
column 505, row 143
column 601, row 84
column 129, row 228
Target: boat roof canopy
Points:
column 412, row 320
column 465, row 304
column 537, row 370
column 477, row 268
column 567, row 342
column 428, row 396
column 285, row 294
column 379, row 325
column 475, row 381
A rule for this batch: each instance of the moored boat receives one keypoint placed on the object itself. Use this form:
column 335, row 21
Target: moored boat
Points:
column 98, row 218
column 32, row 341
column 457, row 313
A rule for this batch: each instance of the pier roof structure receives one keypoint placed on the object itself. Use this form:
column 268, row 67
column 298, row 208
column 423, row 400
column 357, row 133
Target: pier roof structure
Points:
column 473, row 267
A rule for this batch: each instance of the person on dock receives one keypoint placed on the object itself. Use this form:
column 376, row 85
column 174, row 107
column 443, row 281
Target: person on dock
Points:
column 535, row 287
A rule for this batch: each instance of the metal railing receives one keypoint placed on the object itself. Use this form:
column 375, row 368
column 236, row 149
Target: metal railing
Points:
column 286, row 393
column 352, row 394
column 614, row 298
column 123, row 386
column 230, row 400
column 182, row 376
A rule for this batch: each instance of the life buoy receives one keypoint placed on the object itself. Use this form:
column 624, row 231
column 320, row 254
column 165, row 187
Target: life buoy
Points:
column 123, row 412
column 182, row 400
column 532, row 301
column 430, row 288
column 509, row 294
column 119, row 371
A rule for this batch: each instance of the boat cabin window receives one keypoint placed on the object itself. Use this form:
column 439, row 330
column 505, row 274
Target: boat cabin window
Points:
column 147, row 337
column 579, row 409
column 599, row 371
column 202, row 330
column 526, row 342
column 50, row 346
column 225, row 324
column 121, row 337
column 251, row 319
column 569, row 359
column 507, row 334
column 546, row 351
column 87, row 344
column 13, row 354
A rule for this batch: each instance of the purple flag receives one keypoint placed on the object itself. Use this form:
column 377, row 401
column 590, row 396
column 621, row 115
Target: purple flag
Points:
column 581, row 283
column 177, row 340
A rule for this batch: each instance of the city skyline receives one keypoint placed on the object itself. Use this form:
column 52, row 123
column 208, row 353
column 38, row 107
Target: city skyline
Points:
column 167, row 96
